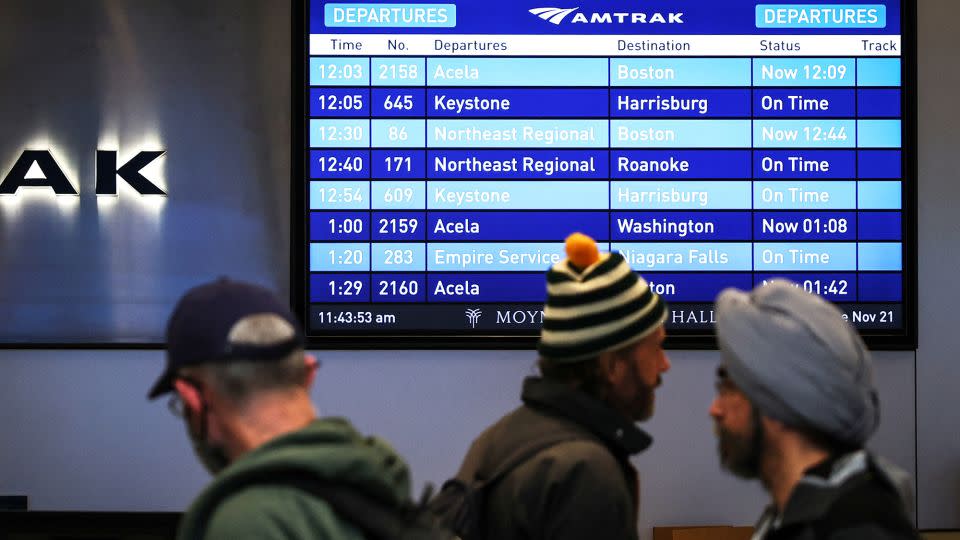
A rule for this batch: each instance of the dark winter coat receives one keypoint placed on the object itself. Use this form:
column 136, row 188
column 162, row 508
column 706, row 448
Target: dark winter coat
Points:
column 850, row 497
column 581, row 488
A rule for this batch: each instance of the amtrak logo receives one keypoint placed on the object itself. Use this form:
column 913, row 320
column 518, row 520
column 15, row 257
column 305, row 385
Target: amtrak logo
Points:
column 473, row 315
column 557, row 15
column 554, row 15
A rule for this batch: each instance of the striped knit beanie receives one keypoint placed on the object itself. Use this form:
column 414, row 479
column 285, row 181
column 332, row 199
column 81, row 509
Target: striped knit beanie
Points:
column 595, row 303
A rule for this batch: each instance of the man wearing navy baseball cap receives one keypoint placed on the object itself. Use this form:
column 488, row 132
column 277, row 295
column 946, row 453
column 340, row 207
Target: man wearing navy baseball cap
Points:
column 238, row 376
column 795, row 406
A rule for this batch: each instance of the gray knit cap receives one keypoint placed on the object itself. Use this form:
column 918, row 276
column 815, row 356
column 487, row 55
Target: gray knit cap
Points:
column 798, row 360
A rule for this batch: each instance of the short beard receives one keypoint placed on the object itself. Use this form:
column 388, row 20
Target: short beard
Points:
column 641, row 406
column 741, row 455
column 212, row 456
column 646, row 400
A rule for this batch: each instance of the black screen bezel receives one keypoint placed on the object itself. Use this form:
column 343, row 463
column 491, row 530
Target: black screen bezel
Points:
column 678, row 339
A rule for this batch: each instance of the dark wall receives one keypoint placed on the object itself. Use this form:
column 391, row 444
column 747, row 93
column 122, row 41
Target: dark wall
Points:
column 206, row 81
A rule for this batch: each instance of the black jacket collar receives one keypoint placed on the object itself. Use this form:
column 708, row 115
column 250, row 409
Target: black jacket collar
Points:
column 614, row 430
column 822, row 485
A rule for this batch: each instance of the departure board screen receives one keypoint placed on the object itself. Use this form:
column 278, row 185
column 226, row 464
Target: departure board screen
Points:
column 445, row 150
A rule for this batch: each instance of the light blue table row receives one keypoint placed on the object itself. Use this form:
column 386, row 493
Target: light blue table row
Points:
column 656, row 72
column 481, row 133
column 648, row 256
column 604, row 195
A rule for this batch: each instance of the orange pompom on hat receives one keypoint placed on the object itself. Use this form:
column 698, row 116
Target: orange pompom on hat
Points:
column 595, row 303
column 582, row 251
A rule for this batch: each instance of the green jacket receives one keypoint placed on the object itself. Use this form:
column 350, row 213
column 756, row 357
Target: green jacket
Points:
column 329, row 448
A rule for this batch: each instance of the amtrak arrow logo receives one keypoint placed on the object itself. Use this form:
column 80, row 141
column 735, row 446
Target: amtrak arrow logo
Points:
column 554, row 15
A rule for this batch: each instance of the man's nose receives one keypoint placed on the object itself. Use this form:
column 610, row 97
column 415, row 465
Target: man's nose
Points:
column 714, row 409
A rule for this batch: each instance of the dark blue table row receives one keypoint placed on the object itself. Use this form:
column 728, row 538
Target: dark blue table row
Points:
column 685, row 164
column 603, row 103
column 353, row 226
column 529, row 287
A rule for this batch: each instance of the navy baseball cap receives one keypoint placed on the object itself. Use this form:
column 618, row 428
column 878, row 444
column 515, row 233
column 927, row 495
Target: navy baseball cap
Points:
column 199, row 329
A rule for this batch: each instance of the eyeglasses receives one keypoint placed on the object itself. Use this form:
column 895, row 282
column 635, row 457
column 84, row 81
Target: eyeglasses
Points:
column 175, row 403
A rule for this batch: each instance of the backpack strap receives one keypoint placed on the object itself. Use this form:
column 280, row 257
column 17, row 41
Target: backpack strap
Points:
column 460, row 504
column 523, row 454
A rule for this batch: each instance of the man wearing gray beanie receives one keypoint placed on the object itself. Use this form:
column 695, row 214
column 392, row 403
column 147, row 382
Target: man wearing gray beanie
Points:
column 795, row 405
column 558, row 467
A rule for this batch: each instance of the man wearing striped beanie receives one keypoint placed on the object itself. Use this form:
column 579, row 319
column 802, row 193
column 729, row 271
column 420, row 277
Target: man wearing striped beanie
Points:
column 558, row 467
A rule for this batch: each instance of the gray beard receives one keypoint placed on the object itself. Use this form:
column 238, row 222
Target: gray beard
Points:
column 213, row 457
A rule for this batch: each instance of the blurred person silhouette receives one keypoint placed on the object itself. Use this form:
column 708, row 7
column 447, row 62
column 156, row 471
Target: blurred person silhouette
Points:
column 240, row 380
column 794, row 407
column 558, row 467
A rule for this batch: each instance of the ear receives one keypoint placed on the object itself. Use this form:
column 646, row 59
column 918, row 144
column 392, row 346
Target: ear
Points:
column 312, row 365
column 612, row 368
column 189, row 393
column 773, row 429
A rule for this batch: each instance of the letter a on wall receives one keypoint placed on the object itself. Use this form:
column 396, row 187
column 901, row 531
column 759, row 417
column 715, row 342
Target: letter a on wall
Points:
column 36, row 168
